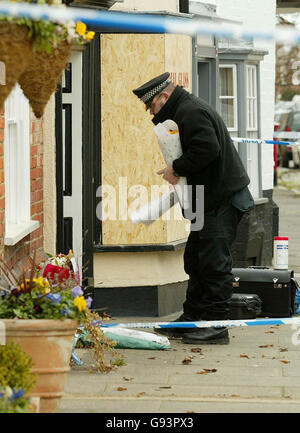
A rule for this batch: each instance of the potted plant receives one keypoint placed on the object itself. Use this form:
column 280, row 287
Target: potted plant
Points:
column 41, row 312
column 16, row 380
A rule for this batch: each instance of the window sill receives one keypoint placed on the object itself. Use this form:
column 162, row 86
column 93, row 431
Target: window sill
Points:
column 15, row 232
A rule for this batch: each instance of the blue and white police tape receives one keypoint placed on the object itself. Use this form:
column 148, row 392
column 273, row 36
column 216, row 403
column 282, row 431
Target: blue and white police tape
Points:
column 148, row 23
column 207, row 324
column 261, row 141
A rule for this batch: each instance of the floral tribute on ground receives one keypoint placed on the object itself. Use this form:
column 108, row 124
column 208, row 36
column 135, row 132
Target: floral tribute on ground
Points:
column 52, row 290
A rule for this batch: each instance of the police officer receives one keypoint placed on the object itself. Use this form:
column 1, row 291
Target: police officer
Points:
column 210, row 159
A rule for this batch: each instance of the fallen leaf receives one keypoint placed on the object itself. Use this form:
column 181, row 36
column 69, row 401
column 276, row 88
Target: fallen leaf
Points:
column 187, row 360
column 153, row 357
column 244, row 356
column 284, row 361
column 269, row 332
column 165, row 387
column 196, row 350
column 235, row 395
column 128, row 378
column 283, row 350
column 140, row 394
column 207, row 370
column 121, row 389
column 267, row 345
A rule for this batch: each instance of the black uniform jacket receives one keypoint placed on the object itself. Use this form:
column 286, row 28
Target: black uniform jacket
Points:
column 209, row 157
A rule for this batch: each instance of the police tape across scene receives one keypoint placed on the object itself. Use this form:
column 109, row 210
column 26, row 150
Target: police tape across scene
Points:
column 206, row 324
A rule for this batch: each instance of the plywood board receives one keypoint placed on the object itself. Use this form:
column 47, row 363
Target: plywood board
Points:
column 129, row 149
column 130, row 154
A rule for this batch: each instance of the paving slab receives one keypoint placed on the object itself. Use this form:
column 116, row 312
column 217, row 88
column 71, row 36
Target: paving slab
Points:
column 257, row 372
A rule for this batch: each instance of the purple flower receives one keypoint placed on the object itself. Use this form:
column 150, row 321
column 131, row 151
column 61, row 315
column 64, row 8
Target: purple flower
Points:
column 15, row 292
column 54, row 297
column 77, row 291
column 64, row 311
column 89, row 302
column 17, row 394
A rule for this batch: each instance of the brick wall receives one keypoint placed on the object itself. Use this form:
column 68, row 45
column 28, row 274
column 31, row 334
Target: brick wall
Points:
column 16, row 256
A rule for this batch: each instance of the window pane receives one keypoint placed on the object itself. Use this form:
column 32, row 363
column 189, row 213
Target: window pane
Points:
column 226, row 81
column 227, row 112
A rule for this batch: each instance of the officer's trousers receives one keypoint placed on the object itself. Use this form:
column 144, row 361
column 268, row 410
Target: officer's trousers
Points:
column 208, row 262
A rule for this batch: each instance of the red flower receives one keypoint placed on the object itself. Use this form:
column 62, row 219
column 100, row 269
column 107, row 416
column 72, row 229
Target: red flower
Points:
column 56, row 272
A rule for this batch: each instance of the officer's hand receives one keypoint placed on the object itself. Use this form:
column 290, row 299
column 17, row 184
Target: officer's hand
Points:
column 168, row 175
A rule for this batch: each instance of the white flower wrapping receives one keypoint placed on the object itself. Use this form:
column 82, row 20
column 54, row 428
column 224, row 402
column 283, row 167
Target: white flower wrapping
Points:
column 169, row 141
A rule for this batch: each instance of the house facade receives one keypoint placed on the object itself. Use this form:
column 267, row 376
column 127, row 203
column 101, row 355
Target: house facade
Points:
column 97, row 154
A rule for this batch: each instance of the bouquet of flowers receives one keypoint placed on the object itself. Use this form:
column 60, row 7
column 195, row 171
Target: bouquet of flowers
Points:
column 52, row 292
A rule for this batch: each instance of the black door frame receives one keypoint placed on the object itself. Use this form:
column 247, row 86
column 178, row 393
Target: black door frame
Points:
column 91, row 167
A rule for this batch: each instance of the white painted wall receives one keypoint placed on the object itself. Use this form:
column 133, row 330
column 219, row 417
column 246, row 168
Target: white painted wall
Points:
column 257, row 14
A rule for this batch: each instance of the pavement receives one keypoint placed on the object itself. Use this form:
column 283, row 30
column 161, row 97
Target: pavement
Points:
column 257, row 372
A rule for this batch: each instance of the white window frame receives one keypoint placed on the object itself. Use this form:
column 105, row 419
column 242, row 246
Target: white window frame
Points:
column 251, row 97
column 233, row 97
column 17, row 168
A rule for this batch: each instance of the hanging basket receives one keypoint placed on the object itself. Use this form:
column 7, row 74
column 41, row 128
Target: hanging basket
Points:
column 15, row 54
column 42, row 75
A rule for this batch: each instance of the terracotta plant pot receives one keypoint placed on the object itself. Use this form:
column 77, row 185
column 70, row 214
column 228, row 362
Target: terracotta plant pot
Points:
column 49, row 344
column 15, row 53
column 42, row 75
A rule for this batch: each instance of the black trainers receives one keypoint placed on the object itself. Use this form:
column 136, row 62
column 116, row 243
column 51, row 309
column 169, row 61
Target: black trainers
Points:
column 175, row 332
column 206, row 336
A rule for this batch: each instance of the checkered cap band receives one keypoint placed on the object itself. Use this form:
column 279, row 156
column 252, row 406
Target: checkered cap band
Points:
column 149, row 95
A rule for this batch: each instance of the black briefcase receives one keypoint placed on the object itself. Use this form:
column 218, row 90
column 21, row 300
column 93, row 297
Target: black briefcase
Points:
column 244, row 306
column 276, row 289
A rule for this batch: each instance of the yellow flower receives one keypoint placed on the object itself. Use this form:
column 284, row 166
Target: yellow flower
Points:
column 80, row 28
column 45, row 291
column 80, row 303
column 89, row 36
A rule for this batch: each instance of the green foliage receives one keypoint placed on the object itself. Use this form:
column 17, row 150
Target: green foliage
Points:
column 33, row 305
column 15, row 368
column 16, row 379
column 19, row 405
